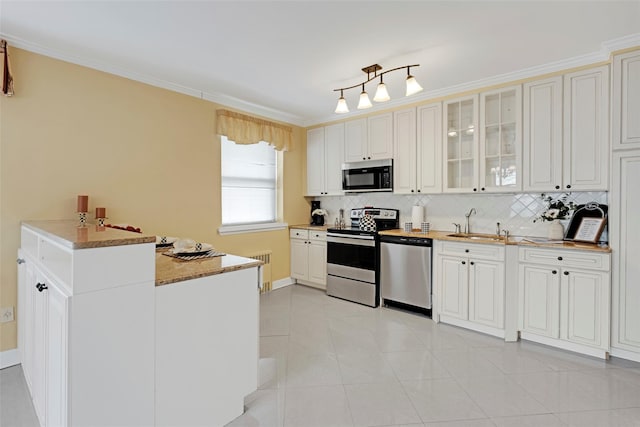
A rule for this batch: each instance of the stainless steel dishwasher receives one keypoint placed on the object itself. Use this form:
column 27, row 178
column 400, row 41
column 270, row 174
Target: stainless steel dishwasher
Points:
column 405, row 271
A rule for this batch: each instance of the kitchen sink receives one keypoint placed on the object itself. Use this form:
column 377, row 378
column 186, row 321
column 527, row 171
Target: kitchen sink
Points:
column 477, row 236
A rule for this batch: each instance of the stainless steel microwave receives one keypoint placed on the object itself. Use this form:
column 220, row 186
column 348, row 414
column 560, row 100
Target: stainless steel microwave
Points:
column 367, row 176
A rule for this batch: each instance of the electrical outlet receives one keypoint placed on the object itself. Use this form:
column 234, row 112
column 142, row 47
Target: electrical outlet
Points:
column 6, row 314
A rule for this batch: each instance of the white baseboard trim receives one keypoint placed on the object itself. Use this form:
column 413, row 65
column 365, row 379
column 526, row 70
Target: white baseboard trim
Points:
column 625, row 354
column 277, row 284
column 9, row 358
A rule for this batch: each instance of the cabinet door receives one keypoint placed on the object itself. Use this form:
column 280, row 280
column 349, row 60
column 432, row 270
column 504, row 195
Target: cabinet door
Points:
column 404, row 157
column 315, row 162
column 57, row 323
column 486, row 293
column 355, row 140
column 500, row 141
column 380, row 137
column 626, row 100
column 624, row 232
column 461, row 145
column 429, row 149
column 585, row 311
column 539, row 295
column 39, row 353
column 333, row 159
column 542, row 136
column 318, row 263
column 586, row 129
column 299, row 259
column 454, row 298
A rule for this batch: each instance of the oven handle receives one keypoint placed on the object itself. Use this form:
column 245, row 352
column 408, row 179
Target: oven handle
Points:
column 351, row 240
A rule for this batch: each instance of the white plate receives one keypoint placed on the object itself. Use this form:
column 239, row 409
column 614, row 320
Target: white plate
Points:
column 193, row 250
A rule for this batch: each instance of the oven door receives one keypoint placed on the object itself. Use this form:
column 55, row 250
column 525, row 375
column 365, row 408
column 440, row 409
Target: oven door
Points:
column 352, row 256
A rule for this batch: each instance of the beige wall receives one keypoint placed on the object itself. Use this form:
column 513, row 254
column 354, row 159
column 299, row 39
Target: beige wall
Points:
column 150, row 156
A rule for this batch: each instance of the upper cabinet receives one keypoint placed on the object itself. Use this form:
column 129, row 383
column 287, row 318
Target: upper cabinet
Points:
column 586, row 130
column 460, row 123
column 566, row 128
column 626, row 105
column 369, row 138
column 324, row 160
column 500, row 141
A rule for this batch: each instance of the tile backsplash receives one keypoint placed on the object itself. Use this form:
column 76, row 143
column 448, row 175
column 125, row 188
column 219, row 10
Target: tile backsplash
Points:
column 515, row 212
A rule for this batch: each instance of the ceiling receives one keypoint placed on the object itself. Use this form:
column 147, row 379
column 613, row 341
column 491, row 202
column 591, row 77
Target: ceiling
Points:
column 283, row 59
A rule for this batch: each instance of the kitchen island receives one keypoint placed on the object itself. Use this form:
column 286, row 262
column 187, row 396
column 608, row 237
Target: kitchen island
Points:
column 103, row 317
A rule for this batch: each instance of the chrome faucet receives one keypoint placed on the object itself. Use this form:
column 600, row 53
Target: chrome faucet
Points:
column 467, row 228
column 457, row 227
column 498, row 228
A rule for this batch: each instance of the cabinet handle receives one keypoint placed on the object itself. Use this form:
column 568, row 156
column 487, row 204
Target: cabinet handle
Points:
column 568, row 185
column 41, row 287
column 464, row 262
column 559, row 258
column 557, row 187
column 566, row 273
column 20, row 261
column 554, row 272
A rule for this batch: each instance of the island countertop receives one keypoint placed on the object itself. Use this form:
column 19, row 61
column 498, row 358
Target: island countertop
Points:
column 68, row 234
column 171, row 270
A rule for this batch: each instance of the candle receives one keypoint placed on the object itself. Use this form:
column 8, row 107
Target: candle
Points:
column 83, row 203
column 101, row 212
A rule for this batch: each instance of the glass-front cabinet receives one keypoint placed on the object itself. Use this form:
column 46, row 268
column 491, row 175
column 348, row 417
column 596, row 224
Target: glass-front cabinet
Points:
column 500, row 140
column 461, row 150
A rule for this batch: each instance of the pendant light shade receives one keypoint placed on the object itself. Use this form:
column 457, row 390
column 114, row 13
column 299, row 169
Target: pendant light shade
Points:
column 381, row 92
column 342, row 107
column 364, row 102
column 413, row 86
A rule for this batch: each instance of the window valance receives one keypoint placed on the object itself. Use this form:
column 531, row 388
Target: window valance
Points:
column 243, row 129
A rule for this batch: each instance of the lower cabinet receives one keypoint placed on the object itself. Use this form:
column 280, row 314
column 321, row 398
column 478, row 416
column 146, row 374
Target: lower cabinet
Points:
column 309, row 257
column 565, row 301
column 469, row 285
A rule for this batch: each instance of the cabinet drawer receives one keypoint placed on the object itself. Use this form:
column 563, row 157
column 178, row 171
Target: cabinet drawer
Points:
column 29, row 242
column 318, row 235
column 565, row 258
column 475, row 250
column 55, row 259
column 298, row 233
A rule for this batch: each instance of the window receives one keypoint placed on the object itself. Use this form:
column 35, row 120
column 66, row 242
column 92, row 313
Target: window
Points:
column 249, row 186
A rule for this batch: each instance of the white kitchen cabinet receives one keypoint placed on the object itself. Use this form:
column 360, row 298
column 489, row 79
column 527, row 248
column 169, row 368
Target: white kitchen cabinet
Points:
column 469, row 285
column 542, row 135
column 309, row 257
column 460, row 122
column 624, row 232
column 325, row 150
column 417, row 150
column 500, row 140
column 626, row 100
column 79, row 353
column 564, row 298
column 369, row 138
column 586, row 130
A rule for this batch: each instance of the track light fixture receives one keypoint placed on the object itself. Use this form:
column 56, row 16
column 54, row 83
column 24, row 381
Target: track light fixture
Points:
column 382, row 94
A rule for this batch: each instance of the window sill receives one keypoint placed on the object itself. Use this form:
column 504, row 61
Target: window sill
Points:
column 251, row 228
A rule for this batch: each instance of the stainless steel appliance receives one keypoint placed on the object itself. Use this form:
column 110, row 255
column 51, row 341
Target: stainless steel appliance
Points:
column 367, row 176
column 405, row 271
column 353, row 257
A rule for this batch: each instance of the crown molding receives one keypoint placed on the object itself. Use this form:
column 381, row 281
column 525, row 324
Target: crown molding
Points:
column 217, row 98
column 632, row 40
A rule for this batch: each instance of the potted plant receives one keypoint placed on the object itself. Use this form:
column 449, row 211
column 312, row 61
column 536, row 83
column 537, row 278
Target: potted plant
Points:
column 556, row 209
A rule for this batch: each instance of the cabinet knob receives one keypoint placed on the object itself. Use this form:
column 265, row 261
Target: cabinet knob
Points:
column 369, row 158
column 418, row 190
column 475, row 189
column 566, row 273
column 472, row 263
column 568, row 185
column 557, row 187
column 466, row 250
column 482, row 189
column 20, row 261
column 559, row 258
column 464, row 262
column 554, row 272
column 41, row 287
column 412, row 191
column 364, row 158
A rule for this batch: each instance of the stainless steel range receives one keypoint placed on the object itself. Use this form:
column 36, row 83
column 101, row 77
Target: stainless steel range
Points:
column 353, row 256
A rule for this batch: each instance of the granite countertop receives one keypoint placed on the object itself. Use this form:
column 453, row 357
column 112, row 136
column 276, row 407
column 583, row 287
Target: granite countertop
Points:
column 310, row 227
column 172, row 270
column 68, row 234
column 513, row 240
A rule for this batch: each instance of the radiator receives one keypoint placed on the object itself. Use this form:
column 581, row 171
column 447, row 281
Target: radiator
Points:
column 265, row 257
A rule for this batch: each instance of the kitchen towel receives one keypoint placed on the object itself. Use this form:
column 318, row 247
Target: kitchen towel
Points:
column 417, row 215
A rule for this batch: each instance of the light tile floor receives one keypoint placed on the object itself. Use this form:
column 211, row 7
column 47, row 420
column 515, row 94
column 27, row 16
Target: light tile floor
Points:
column 327, row 362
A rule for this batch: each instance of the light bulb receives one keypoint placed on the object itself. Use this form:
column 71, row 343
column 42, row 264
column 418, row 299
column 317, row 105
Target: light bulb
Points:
column 381, row 93
column 364, row 101
column 413, row 86
column 342, row 107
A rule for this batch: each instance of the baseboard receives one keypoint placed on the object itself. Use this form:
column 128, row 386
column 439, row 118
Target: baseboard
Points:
column 277, row 284
column 9, row 358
